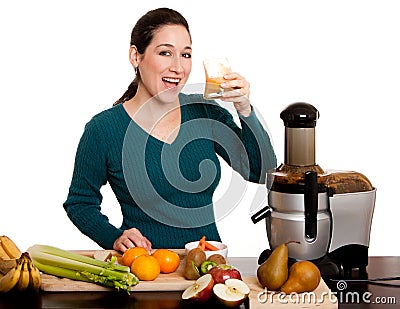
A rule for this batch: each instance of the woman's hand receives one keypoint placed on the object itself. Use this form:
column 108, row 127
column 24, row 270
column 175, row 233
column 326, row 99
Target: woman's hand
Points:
column 131, row 238
column 240, row 93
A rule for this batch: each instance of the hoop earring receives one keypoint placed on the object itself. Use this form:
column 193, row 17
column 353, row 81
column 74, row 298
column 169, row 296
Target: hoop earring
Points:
column 136, row 70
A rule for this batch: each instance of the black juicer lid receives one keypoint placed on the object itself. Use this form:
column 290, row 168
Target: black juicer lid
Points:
column 300, row 115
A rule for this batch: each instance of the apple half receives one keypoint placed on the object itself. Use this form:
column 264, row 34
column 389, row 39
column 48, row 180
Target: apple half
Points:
column 201, row 290
column 231, row 293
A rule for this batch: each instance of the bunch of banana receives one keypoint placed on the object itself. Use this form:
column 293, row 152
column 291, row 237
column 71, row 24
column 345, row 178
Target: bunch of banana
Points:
column 8, row 248
column 16, row 268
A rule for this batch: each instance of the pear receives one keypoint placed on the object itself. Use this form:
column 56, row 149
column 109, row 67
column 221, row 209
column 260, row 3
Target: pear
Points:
column 273, row 273
column 304, row 276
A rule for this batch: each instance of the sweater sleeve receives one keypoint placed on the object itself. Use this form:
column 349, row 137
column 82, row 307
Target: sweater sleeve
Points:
column 84, row 197
column 252, row 154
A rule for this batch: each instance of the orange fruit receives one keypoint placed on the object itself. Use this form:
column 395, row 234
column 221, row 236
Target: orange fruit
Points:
column 169, row 260
column 131, row 254
column 145, row 267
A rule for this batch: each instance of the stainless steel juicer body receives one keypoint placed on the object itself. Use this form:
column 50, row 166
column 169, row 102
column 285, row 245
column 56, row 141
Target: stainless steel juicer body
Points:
column 342, row 219
column 328, row 213
column 287, row 223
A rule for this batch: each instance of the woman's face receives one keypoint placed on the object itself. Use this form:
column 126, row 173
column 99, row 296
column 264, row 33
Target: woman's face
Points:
column 166, row 63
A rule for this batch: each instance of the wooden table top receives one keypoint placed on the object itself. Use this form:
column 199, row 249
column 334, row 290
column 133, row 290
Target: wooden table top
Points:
column 369, row 295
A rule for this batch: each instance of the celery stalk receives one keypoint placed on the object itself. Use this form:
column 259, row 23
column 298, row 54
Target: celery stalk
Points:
column 74, row 266
column 59, row 261
column 61, row 272
column 77, row 257
column 83, row 276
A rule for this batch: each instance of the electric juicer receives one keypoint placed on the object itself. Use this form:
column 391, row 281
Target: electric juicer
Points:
column 328, row 212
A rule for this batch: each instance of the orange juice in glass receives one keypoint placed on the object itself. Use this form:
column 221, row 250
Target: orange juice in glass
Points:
column 215, row 69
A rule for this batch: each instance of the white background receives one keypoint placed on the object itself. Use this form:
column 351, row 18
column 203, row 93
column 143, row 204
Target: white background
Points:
column 61, row 62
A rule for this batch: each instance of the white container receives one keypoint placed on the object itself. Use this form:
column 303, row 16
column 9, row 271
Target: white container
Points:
column 223, row 249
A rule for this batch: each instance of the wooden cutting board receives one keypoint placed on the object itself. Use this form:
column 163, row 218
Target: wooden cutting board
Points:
column 321, row 297
column 176, row 282
column 164, row 282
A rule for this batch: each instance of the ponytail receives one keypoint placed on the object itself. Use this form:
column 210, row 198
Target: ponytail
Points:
column 129, row 93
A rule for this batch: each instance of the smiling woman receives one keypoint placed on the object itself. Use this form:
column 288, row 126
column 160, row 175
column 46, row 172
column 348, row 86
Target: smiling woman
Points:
column 173, row 44
column 159, row 149
column 165, row 64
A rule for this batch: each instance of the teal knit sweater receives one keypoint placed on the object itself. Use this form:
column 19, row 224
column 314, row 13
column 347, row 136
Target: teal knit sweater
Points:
column 164, row 190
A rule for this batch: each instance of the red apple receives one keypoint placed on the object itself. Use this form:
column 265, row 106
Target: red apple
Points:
column 201, row 290
column 224, row 271
column 231, row 293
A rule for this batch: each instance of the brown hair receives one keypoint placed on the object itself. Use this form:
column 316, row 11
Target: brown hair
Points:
column 142, row 35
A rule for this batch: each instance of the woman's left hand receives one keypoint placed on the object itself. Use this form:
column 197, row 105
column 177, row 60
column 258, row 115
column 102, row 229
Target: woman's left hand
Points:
column 239, row 94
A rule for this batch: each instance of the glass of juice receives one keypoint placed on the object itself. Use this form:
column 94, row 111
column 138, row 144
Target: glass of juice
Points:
column 215, row 69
